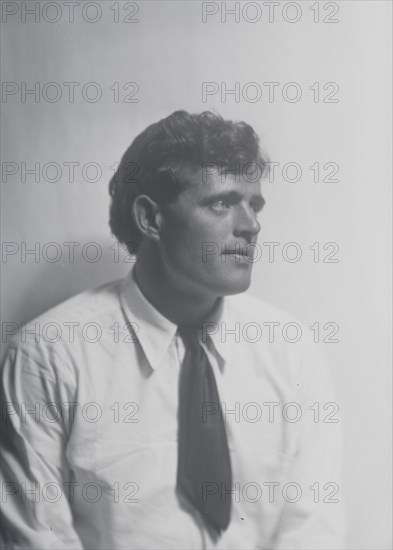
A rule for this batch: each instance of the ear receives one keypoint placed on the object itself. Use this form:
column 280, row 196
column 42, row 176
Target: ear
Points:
column 147, row 217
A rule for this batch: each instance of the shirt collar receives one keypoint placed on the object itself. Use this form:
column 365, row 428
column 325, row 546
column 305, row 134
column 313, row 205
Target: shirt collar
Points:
column 155, row 332
column 214, row 329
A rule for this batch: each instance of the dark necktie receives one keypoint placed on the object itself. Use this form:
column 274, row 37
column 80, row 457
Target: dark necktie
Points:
column 204, row 468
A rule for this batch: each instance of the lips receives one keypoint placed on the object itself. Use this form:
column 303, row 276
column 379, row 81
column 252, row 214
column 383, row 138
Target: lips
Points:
column 236, row 253
column 239, row 255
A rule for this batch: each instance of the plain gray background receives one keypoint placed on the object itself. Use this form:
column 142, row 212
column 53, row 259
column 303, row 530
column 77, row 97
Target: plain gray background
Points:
column 169, row 53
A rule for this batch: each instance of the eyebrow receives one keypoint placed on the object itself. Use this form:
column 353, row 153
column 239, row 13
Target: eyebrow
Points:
column 232, row 196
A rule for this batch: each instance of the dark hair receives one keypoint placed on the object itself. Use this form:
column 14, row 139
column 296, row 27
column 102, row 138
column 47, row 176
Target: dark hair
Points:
column 158, row 161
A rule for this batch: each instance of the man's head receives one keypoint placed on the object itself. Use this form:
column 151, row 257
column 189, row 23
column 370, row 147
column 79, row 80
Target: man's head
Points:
column 187, row 192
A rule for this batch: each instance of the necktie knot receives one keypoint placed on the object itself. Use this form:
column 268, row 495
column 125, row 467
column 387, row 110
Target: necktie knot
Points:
column 189, row 336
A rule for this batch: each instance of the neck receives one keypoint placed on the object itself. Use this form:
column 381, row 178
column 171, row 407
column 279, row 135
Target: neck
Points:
column 181, row 306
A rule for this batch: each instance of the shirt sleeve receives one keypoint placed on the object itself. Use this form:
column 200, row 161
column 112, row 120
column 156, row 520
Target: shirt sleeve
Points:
column 314, row 515
column 36, row 507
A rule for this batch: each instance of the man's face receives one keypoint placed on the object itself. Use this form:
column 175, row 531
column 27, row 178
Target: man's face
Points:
column 209, row 234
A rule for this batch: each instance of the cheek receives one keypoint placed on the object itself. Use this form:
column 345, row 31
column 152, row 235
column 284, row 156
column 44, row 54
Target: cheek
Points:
column 191, row 230
column 189, row 233
column 179, row 244
column 190, row 254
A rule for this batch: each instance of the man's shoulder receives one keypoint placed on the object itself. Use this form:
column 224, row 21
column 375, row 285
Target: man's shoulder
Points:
column 285, row 342
column 77, row 318
column 89, row 304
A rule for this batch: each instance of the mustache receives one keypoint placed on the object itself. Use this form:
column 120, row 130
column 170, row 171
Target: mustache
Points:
column 245, row 249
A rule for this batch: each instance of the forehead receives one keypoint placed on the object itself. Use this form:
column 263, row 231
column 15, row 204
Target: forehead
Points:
column 204, row 182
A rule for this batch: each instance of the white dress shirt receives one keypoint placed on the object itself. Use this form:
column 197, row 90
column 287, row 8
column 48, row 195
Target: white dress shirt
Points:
column 90, row 411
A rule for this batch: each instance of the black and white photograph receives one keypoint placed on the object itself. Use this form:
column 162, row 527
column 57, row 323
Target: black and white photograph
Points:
column 196, row 266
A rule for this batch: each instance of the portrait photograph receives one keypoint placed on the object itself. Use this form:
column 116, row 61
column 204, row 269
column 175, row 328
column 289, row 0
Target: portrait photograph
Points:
column 196, row 253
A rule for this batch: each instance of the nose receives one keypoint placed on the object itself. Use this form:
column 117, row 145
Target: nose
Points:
column 246, row 224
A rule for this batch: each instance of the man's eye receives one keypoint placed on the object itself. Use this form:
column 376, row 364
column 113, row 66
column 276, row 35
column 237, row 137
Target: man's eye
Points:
column 257, row 207
column 221, row 204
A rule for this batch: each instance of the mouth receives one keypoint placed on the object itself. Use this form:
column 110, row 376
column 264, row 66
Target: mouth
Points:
column 239, row 257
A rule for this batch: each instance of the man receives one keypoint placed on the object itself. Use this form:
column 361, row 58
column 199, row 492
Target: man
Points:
column 159, row 419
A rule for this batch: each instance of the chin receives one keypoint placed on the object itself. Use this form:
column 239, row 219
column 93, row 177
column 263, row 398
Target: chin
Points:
column 235, row 286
